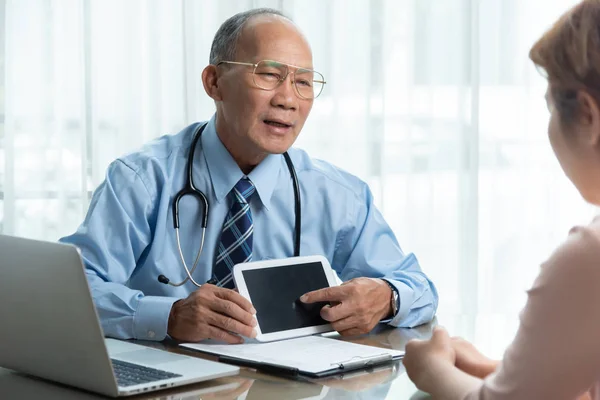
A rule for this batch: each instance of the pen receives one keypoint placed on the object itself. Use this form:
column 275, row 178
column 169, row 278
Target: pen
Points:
column 362, row 362
column 262, row 366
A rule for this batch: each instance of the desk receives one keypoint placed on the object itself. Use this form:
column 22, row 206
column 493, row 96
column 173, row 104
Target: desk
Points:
column 390, row 382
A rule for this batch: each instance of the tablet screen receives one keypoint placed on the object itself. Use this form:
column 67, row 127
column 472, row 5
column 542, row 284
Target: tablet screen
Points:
column 275, row 293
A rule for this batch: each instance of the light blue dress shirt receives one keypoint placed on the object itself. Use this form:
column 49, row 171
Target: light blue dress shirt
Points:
column 127, row 238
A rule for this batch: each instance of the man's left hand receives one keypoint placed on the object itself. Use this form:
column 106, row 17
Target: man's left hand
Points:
column 356, row 306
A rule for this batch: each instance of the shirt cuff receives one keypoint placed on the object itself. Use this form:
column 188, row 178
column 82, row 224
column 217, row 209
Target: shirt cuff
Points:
column 152, row 317
column 405, row 294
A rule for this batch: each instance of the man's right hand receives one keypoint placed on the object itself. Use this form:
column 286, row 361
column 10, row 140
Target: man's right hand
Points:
column 212, row 312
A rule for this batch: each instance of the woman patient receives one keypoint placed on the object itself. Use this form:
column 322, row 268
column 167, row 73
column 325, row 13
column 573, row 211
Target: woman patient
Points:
column 556, row 352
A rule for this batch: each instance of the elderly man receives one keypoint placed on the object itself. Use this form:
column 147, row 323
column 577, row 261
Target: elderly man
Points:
column 262, row 80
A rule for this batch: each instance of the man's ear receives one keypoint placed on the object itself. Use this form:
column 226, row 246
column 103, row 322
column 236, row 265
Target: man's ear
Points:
column 589, row 118
column 210, row 82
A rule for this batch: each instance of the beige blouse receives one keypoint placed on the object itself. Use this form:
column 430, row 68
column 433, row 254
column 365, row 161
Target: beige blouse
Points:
column 556, row 352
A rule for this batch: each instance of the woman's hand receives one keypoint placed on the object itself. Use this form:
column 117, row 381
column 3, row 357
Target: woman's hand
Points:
column 470, row 360
column 426, row 360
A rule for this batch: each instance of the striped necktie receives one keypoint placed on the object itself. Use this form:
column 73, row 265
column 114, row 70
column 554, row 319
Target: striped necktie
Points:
column 235, row 245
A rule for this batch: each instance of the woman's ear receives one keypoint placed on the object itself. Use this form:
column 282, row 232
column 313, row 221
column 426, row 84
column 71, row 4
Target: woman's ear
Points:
column 210, row 80
column 589, row 118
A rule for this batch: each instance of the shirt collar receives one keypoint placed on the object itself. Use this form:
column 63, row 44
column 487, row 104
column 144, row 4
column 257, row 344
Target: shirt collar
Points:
column 225, row 173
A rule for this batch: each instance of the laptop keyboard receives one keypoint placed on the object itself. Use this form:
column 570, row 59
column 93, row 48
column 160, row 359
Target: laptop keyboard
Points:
column 129, row 374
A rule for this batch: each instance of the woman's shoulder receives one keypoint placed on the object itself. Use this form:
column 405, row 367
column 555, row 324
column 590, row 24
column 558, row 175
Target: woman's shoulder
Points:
column 578, row 255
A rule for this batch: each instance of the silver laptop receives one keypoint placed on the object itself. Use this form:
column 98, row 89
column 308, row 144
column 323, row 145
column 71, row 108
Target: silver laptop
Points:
column 49, row 328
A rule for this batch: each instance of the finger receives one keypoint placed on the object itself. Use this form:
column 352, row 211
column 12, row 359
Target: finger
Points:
column 230, row 324
column 233, row 310
column 440, row 334
column 345, row 324
column 336, row 293
column 231, row 295
column 440, row 337
column 458, row 339
column 413, row 345
column 352, row 332
column 224, row 336
column 336, row 313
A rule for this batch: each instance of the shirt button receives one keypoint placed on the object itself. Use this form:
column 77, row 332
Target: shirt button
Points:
column 151, row 334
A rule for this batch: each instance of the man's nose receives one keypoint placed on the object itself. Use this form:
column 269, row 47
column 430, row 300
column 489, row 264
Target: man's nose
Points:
column 284, row 95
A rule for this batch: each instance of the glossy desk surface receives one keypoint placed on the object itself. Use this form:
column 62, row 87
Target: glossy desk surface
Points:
column 386, row 382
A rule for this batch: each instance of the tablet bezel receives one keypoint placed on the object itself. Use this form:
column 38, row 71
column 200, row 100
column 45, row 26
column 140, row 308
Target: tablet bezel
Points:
column 243, row 290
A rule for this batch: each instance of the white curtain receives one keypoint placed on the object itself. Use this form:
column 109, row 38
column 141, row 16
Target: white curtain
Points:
column 433, row 102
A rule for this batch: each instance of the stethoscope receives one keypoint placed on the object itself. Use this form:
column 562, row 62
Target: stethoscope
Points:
column 191, row 189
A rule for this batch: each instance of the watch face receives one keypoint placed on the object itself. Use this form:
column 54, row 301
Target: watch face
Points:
column 394, row 302
column 394, row 298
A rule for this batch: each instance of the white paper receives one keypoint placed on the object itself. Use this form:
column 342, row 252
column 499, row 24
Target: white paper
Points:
column 311, row 354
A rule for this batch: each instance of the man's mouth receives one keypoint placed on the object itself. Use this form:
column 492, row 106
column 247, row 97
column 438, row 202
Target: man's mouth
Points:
column 278, row 124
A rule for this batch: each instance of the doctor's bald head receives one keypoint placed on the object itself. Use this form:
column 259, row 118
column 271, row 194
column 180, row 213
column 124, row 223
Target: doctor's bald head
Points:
column 225, row 42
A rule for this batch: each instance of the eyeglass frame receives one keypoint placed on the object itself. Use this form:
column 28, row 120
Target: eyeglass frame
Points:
column 255, row 65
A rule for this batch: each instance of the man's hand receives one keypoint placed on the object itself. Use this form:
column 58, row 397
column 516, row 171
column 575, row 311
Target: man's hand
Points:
column 470, row 360
column 212, row 313
column 359, row 304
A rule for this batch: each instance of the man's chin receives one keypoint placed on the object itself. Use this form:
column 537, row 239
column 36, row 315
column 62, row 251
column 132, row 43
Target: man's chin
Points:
column 277, row 147
column 279, row 150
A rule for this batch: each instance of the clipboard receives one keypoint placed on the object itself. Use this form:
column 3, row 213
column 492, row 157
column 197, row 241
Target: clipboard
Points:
column 292, row 358
column 293, row 372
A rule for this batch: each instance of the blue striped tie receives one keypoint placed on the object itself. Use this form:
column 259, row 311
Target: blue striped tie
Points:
column 235, row 245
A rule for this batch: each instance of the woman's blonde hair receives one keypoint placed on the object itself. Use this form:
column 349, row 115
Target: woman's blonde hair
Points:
column 569, row 55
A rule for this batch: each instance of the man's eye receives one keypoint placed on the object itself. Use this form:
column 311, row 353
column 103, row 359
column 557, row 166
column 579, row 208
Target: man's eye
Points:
column 304, row 82
column 270, row 75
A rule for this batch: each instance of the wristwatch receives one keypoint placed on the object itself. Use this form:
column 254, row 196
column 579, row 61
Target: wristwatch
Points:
column 395, row 298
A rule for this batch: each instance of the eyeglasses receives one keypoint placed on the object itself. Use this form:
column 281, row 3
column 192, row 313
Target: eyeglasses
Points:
column 269, row 74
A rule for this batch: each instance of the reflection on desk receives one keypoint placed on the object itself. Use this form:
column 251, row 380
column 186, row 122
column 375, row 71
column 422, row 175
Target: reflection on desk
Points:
column 362, row 380
column 382, row 382
column 293, row 390
column 14, row 385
